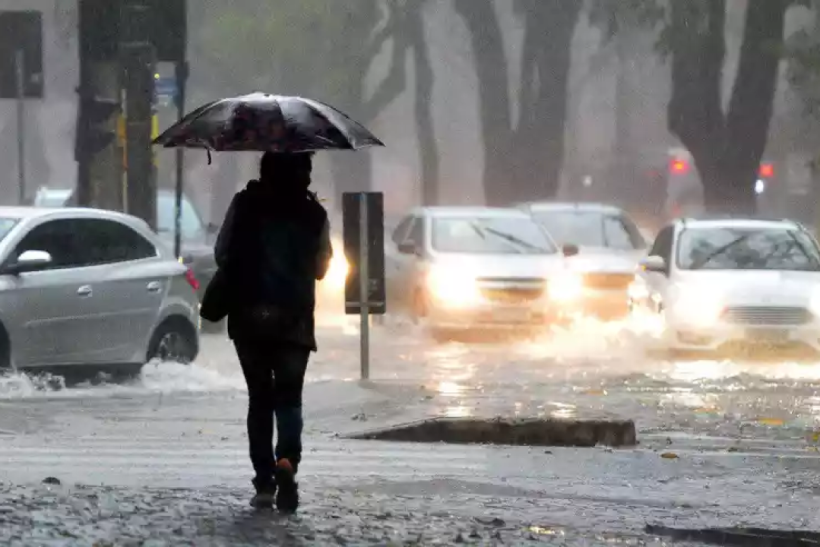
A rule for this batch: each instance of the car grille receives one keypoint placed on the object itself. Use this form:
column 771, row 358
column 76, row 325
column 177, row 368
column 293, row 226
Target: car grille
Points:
column 767, row 315
column 606, row 281
column 512, row 290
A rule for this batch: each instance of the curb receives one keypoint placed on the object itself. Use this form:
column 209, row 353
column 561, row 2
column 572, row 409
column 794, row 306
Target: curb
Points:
column 515, row 432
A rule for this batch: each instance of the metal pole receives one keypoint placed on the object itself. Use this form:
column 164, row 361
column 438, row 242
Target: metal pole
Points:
column 364, row 287
column 19, row 67
column 181, row 74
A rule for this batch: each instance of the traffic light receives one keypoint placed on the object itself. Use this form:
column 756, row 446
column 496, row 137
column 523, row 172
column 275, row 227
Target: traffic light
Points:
column 95, row 133
column 678, row 167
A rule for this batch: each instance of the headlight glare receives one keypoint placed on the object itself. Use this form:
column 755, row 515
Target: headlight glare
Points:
column 452, row 287
column 566, row 287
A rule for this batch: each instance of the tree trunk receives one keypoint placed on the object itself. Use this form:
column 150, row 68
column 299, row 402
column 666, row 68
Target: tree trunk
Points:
column 727, row 148
column 493, row 95
column 425, row 127
column 539, row 139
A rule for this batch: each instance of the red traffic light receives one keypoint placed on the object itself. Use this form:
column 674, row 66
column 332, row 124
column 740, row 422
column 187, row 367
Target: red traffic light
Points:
column 678, row 167
column 766, row 170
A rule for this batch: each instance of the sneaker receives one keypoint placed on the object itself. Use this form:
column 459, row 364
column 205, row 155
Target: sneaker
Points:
column 264, row 497
column 287, row 495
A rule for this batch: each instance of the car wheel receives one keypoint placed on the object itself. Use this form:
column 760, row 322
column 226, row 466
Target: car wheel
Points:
column 174, row 341
column 6, row 365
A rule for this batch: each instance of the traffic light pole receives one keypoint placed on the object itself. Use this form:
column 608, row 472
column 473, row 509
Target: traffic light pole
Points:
column 181, row 73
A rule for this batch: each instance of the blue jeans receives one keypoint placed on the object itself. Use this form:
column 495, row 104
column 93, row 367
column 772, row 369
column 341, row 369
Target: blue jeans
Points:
column 275, row 375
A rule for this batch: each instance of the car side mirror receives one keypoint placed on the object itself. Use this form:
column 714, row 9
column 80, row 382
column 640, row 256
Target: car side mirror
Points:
column 653, row 263
column 407, row 248
column 29, row 261
column 569, row 250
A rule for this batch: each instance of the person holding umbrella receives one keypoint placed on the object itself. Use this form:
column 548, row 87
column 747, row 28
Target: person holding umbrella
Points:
column 272, row 248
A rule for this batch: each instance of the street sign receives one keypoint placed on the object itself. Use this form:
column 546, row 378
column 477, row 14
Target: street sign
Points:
column 363, row 231
column 353, row 238
column 165, row 90
column 21, row 43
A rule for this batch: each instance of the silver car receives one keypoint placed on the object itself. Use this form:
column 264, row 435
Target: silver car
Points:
column 609, row 245
column 91, row 287
column 471, row 268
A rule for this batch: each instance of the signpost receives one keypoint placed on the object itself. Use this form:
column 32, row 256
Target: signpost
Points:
column 365, row 294
column 21, row 74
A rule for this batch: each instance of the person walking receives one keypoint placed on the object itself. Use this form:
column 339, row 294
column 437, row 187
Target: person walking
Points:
column 272, row 248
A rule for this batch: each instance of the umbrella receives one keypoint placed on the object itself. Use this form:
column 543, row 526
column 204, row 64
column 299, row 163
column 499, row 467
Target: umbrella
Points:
column 263, row 122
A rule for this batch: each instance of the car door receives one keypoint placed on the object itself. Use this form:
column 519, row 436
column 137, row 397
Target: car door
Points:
column 394, row 262
column 128, row 289
column 658, row 282
column 49, row 309
column 410, row 264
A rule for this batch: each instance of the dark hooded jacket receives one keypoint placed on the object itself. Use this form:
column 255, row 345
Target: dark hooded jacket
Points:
column 273, row 246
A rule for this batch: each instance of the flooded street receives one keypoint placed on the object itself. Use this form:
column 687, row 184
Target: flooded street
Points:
column 592, row 368
column 721, row 443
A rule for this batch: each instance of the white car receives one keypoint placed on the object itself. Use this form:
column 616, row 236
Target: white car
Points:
column 473, row 268
column 609, row 244
column 721, row 283
column 91, row 287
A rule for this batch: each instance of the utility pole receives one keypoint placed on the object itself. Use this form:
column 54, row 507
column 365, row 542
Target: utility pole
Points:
column 138, row 61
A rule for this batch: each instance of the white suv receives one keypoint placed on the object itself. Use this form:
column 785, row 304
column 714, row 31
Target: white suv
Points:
column 719, row 283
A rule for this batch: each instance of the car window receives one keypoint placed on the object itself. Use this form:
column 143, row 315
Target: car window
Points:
column 191, row 226
column 663, row 244
column 416, row 233
column 490, row 235
column 616, row 235
column 6, row 224
column 107, row 241
column 401, row 230
column 582, row 228
column 74, row 243
column 747, row 249
column 59, row 238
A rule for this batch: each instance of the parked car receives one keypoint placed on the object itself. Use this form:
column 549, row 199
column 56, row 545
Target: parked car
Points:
column 609, row 244
column 470, row 268
column 91, row 287
column 196, row 236
column 717, row 284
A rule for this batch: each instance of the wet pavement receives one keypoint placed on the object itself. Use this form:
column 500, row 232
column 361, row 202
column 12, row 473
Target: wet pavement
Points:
column 162, row 460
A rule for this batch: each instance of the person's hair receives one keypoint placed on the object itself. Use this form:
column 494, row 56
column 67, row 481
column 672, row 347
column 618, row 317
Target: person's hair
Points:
column 286, row 168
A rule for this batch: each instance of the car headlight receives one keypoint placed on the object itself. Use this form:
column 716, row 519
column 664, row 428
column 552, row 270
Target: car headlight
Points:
column 338, row 271
column 814, row 302
column 452, row 287
column 566, row 287
column 699, row 307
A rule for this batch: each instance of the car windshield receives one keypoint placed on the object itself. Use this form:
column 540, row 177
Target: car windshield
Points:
column 6, row 224
column 191, row 224
column 747, row 249
column 591, row 229
column 490, row 235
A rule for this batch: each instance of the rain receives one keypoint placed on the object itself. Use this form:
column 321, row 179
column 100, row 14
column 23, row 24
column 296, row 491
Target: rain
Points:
column 593, row 274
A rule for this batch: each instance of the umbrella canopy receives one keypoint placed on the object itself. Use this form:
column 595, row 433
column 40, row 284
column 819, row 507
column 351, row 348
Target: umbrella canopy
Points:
column 263, row 122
